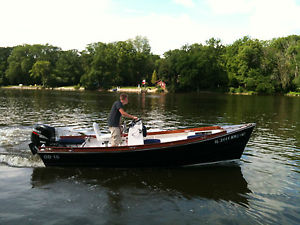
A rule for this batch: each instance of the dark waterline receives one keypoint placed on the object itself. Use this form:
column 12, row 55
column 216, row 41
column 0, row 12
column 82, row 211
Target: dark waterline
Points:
column 261, row 188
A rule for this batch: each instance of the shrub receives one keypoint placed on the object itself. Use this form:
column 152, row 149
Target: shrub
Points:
column 77, row 87
column 296, row 82
column 250, row 83
column 240, row 89
column 265, row 88
column 231, row 90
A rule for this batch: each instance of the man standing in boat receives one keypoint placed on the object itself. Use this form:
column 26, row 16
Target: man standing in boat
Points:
column 114, row 120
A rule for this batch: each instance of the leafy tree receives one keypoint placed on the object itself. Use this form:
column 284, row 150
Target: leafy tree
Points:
column 4, row 54
column 68, row 68
column 141, row 44
column 42, row 70
column 116, row 64
column 296, row 82
column 23, row 57
column 286, row 56
column 102, row 66
column 90, row 80
column 154, row 77
column 244, row 63
column 169, row 70
column 19, row 64
column 195, row 67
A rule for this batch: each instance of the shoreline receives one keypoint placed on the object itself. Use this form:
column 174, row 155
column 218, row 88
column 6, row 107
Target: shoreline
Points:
column 70, row 88
column 126, row 90
column 135, row 90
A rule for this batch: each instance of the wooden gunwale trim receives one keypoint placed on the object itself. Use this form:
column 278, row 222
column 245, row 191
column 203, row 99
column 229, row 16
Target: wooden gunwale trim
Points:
column 51, row 149
column 186, row 130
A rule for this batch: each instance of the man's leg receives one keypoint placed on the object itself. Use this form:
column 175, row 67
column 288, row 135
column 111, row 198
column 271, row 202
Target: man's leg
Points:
column 116, row 138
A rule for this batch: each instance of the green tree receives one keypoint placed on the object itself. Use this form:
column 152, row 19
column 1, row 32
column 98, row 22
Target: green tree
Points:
column 245, row 65
column 286, row 56
column 143, row 60
column 141, row 44
column 68, row 68
column 19, row 64
column 116, row 64
column 195, row 67
column 42, row 70
column 23, row 57
column 169, row 70
column 154, row 77
column 102, row 66
column 4, row 54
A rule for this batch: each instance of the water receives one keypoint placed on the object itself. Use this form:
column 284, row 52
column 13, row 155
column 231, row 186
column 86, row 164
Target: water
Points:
column 261, row 188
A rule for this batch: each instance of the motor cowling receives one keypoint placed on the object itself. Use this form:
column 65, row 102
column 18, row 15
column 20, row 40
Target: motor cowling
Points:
column 43, row 134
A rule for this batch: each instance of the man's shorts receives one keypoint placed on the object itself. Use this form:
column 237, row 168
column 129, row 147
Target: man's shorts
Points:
column 116, row 138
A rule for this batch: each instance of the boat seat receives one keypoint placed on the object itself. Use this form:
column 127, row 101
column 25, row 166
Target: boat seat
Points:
column 71, row 141
column 195, row 136
column 103, row 139
column 97, row 131
column 151, row 141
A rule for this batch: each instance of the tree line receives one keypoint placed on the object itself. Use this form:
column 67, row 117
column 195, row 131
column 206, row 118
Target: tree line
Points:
column 247, row 65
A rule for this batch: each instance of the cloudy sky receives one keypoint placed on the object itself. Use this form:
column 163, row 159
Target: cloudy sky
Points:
column 168, row 24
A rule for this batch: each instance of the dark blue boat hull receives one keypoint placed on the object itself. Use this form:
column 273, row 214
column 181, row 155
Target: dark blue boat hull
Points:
column 229, row 146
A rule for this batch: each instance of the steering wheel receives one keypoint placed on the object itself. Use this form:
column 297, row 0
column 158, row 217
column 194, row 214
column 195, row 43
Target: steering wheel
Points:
column 133, row 122
column 130, row 124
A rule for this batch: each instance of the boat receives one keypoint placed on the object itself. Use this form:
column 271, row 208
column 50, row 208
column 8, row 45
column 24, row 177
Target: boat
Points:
column 139, row 148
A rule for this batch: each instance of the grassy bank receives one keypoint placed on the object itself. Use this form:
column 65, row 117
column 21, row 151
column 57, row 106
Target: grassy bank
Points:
column 136, row 89
column 293, row 94
column 76, row 88
column 39, row 87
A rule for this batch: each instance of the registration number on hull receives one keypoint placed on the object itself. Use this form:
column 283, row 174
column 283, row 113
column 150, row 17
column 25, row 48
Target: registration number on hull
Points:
column 50, row 157
column 228, row 138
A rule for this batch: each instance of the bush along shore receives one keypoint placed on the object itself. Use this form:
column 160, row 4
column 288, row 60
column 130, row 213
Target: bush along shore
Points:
column 247, row 66
column 293, row 94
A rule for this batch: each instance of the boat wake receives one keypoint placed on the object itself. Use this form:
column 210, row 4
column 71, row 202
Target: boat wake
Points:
column 20, row 160
column 12, row 136
column 14, row 148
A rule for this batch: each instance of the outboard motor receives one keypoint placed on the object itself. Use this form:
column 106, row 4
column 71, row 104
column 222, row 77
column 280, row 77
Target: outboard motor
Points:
column 42, row 134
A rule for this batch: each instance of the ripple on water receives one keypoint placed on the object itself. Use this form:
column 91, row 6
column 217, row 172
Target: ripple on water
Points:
column 263, row 189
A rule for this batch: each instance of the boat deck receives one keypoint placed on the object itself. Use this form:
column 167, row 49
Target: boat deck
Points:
column 156, row 137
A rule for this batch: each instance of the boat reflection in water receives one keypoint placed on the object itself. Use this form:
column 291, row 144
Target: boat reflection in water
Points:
column 217, row 182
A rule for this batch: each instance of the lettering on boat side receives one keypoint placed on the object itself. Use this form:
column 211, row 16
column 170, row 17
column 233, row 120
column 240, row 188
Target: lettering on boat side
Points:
column 228, row 138
column 49, row 157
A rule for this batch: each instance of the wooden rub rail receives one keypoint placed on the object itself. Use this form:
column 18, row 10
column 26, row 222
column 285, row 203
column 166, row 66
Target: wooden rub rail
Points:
column 186, row 130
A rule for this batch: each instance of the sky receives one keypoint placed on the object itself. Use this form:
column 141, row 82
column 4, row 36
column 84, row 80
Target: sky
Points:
column 168, row 24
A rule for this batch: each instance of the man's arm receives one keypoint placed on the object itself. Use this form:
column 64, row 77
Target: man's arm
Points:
column 123, row 113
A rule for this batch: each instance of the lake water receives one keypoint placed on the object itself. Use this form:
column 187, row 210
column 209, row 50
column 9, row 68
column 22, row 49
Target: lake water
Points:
column 261, row 188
